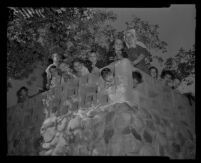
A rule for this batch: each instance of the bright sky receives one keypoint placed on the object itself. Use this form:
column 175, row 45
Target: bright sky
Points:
column 176, row 23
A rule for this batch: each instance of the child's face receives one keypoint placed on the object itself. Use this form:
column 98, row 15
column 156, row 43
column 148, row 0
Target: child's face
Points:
column 24, row 93
column 109, row 77
column 77, row 66
column 135, row 83
column 153, row 73
column 168, row 79
column 93, row 58
column 55, row 57
column 118, row 45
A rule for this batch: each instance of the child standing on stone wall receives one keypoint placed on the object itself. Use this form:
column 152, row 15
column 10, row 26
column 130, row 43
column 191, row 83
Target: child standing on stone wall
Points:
column 55, row 78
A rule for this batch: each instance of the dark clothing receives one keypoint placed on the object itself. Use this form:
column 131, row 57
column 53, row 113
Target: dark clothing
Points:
column 191, row 99
column 88, row 64
column 22, row 99
column 111, row 57
column 134, row 53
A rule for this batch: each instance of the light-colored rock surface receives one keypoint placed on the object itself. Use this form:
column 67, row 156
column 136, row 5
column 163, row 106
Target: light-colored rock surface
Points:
column 82, row 119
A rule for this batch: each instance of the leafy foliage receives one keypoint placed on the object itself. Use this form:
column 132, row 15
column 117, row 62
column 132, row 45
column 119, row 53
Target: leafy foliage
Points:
column 147, row 33
column 35, row 33
column 183, row 63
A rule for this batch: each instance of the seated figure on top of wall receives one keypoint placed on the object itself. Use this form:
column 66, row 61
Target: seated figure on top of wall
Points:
column 79, row 68
column 138, row 55
column 93, row 64
column 117, row 51
column 154, row 72
column 167, row 78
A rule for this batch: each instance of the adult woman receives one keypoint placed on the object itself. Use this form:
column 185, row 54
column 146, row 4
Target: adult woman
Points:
column 117, row 52
column 137, row 53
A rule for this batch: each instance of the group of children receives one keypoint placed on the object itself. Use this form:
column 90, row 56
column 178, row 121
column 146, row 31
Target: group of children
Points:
column 60, row 71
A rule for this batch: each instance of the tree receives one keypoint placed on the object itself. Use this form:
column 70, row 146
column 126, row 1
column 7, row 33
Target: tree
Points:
column 33, row 34
column 183, row 63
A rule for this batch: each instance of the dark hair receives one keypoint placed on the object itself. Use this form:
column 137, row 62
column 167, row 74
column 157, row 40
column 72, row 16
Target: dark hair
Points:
column 152, row 67
column 113, row 43
column 57, row 69
column 21, row 89
column 177, row 77
column 53, row 67
column 77, row 60
column 137, row 75
column 167, row 72
column 105, row 72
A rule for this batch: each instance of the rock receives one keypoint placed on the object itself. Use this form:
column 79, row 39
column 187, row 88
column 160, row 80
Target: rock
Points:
column 138, row 123
column 136, row 134
column 48, row 122
column 147, row 150
column 181, row 139
column 115, row 146
column 59, row 149
column 49, row 134
column 130, row 145
column 162, row 129
column 46, row 153
column 74, row 123
column 152, row 94
column 150, row 125
column 46, row 145
column 126, row 130
column 120, row 123
column 157, row 119
column 176, row 147
column 147, row 136
column 162, row 139
column 62, row 124
column 109, row 116
column 100, row 148
column 108, row 133
column 161, row 150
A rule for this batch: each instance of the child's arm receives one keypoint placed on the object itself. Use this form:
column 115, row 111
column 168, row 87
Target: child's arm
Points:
column 141, row 57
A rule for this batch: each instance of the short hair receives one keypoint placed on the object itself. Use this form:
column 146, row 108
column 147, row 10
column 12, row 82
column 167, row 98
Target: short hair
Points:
column 57, row 69
column 105, row 72
column 167, row 72
column 137, row 75
column 21, row 89
column 54, row 67
column 153, row 67
column 77, row 60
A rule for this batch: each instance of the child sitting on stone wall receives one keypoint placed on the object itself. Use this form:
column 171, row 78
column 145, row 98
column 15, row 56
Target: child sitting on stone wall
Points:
column 55, row 78
column 137, row 78
column 108, row 77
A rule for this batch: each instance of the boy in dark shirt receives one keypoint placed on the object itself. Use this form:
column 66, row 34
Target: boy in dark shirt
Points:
column 137, row 78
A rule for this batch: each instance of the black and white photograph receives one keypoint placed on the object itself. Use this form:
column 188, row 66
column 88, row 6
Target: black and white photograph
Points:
column 101, row 81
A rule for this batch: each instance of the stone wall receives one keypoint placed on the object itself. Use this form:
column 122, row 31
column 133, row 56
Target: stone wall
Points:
column 82, row 117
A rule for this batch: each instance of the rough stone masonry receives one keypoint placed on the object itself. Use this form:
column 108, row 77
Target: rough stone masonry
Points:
column 82, row 118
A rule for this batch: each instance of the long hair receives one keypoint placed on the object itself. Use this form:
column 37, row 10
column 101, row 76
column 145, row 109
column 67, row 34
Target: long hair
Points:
column 135, row 38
